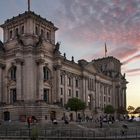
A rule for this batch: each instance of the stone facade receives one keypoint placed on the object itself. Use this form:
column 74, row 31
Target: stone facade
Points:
column 35, row 79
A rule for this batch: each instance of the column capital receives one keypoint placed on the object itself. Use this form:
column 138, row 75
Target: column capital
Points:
column 57, row 67
column 2, row 65
column 40, row 61
column 19, row 60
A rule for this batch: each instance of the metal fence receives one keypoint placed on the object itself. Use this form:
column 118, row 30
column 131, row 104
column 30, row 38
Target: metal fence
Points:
column 70, row 133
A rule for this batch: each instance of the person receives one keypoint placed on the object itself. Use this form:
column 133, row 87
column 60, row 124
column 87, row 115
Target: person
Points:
column 124, row 129
column 101, row 123
column 66, row 121
column 55, row 121
column 29, row 121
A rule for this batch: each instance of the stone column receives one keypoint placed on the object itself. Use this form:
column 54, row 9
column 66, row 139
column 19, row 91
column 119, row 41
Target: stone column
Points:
column 83, row 89
column 65, row 90
column 86, row 91
column 57, row 84
column 124, row 98
column 19, row 79
column 97, row 95
column 73, row 87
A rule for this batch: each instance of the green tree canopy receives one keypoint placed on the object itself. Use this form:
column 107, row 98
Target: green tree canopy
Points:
column 109, row 109
column 75, row 104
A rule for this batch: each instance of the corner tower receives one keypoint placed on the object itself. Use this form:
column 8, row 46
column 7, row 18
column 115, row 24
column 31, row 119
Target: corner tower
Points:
column 29, row 44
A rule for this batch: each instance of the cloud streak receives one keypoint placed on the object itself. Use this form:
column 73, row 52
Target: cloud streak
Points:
column 134, row 58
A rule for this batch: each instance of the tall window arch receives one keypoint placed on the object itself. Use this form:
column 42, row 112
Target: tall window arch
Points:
column 22, row 30
column 10, row 34
column 46, row 72
column 16, row 31
column 13, row 73
column 36, row 30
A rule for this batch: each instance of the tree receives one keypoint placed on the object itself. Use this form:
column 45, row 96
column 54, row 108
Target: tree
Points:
column 109, row 109
column 75, row 104
column 130, row 109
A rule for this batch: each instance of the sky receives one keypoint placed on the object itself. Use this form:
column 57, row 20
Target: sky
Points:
column 86, row 25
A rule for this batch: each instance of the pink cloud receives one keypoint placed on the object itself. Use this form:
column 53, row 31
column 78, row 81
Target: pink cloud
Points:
column 137, row 57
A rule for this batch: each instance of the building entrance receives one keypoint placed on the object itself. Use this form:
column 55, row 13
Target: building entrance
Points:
column 6, row 116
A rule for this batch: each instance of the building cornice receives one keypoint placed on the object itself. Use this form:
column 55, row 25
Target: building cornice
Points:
column 24, row 16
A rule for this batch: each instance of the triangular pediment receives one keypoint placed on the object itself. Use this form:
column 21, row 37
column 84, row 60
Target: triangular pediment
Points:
column 91, row 67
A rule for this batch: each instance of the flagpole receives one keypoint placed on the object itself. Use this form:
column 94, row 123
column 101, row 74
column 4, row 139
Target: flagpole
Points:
column 28, row 5
column 105, row 50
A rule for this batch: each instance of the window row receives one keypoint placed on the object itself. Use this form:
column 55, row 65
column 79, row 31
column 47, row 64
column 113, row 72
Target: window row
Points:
column 21, row 30
column 91, row 84
column 16, row 31
column 13, row 69
column 69, row 81
column 43, row 32
column 105, row 89
column 13, row 95
column 69, row 92
column 105, row 99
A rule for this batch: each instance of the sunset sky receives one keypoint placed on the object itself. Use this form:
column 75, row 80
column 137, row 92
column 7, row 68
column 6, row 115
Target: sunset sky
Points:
column 85, row 26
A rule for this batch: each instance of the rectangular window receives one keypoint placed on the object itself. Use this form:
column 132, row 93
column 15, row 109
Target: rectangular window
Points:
column 77, row 94
column 109, row 99
column 69, row 81
column 46, row 73
column 13, row 73
column 104, row 99
column 61, row 101
column 76, row 82
column 13, row 95
column 61, row 79
column 61, row 90
column 88, row 84
column 46, row 95
column 69, row 92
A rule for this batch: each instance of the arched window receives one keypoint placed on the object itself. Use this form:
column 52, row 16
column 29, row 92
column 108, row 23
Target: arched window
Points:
column 48, row 35
column 10, row 34
column 22, row 30
column 46, row 72
column 16, row 33
column 13, row 73
column 36, row 30
column 42, row 32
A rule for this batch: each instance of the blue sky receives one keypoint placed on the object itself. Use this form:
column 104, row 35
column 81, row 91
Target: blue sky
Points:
column 85, row 26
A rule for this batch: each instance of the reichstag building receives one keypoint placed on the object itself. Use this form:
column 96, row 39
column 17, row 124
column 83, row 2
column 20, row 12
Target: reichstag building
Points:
column 37, row 80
